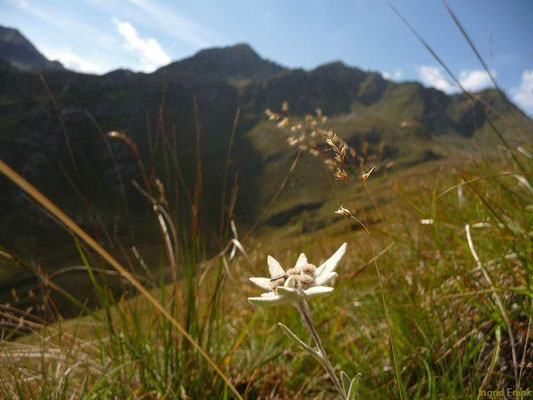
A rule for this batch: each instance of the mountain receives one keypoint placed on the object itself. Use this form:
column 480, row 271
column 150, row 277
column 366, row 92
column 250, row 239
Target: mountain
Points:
column 239, row 61
column 404, row 124
column 18, row 52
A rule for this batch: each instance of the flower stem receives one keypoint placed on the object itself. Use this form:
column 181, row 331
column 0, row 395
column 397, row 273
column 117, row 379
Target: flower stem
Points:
column 303, row 307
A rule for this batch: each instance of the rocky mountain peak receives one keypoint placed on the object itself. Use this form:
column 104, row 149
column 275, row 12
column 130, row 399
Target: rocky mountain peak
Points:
column 18, row 52
column 239, row 61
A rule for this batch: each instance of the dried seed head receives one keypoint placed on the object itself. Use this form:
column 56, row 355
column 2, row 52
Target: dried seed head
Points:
column 272, row 116
column 283, row 123
column 366, row 175
column 340, row 155
column 292, row 141
column 344, row 211
column 331, row 144
column 343, row 152
column 341, row 174
column 122, row 136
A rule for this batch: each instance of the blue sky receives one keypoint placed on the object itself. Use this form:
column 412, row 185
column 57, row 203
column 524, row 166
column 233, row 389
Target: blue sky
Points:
column 101, row 35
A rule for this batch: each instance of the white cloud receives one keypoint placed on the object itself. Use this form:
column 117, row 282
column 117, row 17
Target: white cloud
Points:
column 150, row 51
column 476, row 80
column 471, row 80
column 396, row 75
column 523, row 95
column 433, row 76
column 72, row 60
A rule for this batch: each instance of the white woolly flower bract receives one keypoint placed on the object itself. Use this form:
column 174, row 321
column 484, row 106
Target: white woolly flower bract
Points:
column 304, row 280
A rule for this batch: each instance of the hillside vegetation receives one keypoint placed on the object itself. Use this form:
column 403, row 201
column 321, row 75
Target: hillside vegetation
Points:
column 172, row 189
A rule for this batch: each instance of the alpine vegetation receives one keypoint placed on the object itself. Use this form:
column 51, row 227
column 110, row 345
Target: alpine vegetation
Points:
column 294, row 287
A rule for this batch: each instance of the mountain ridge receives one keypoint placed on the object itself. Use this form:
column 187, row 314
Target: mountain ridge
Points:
column 405, row 120
column 221, row 62
column 19, row 52
column 238, row 61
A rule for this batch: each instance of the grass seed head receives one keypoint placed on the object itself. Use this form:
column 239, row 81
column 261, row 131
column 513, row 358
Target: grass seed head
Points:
column 341, row 174
column 365, row 175
column 122, row 136
column 283, row 123
column 344, row 211
column 272, row 116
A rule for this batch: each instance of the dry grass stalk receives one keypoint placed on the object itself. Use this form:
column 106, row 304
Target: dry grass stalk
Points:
column 497, row 298
column 72, row 226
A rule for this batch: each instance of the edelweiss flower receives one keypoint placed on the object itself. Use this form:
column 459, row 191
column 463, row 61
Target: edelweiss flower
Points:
column 302, row 281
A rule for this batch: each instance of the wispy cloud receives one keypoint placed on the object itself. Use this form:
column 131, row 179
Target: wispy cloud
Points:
column 150, row 51
column 174, row 24
column 79, row 59
column 523, row 94
column 22, row 3
column 72, row 60
column 75, row 27
column 471, row 80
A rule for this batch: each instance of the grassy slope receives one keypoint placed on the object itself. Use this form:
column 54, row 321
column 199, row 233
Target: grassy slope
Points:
column 305, row 205
column 439, row 353
column 419, row 271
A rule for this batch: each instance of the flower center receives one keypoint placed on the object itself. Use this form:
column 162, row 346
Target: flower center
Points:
column 277, row 281
column 304, row 275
